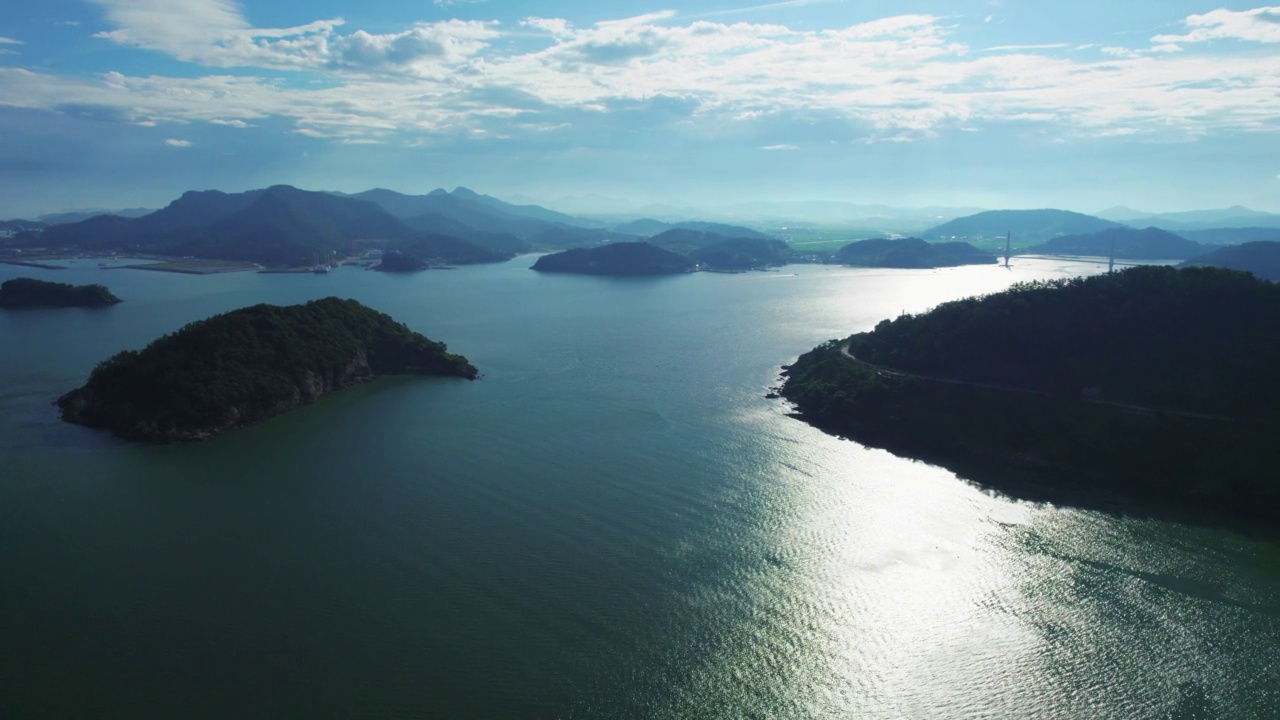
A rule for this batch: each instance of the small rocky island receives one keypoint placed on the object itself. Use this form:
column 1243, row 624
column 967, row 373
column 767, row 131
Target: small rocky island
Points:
column 29, row 292
column 618, row 259
column 1155, row 381
column 247, row 365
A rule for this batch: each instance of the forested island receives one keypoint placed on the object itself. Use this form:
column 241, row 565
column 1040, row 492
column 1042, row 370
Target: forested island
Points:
column 910, row 253
column 29, row 292
column 677, row 250
column 1155, row 380
column 397, row 262
column 247, row 365
column 623, row 259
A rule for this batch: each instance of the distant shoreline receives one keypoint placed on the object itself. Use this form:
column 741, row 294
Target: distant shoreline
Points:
column 185, row 267
column 27, row 263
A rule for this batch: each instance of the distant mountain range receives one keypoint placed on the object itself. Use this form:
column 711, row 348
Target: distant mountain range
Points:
column 1236, row 216
column 1026, row 225
column 647, row 227
column 1230, row 236
column 282, row 225
column 71, row 216
column 1125, row 242
column 17, row 226
column 279, row 225
column 769, row 213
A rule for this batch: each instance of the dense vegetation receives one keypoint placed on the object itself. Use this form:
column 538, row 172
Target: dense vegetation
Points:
column 1127, row 243
column 1156, row 379
column 29, row 292
column 625, row 258
column 910, row 253
column 246, row 365
column 1260, row 258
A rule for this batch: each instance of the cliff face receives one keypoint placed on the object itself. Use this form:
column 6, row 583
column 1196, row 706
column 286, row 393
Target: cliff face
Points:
column 249, row 365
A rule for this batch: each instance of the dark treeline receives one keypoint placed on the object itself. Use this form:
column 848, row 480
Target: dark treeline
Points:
column 1200, row 339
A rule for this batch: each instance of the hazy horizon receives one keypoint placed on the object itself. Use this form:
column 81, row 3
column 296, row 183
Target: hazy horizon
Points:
column 1161, row 107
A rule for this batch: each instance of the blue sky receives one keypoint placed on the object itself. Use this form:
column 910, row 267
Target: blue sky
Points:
column 1159, row 105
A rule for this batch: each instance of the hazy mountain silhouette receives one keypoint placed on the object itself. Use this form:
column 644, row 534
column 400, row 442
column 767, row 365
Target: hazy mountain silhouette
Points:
column 1231, row 236
column 647, row 227
column 1128, row 243
column 1261, row 258
column 279, row 225
column 1236, row 216
column 1026, row 225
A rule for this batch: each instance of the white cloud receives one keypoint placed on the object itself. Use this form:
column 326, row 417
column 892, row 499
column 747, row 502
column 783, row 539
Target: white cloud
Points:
column 892, row 79
column 449, row 42
column 1043, row 46
column 780, row 147
column 1257, row 25
column 174, row 142
column 9, row 41
column 555, row 26
column 214, row 33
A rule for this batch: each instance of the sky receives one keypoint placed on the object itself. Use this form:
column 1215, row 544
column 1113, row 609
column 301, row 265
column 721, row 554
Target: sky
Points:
column 1159, row 105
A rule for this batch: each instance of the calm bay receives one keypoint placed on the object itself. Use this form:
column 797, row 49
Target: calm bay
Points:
column 612, row 522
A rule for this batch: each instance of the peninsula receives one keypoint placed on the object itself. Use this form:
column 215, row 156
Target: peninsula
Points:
column 1157, row 381
column 247, row 365
column 29, row 292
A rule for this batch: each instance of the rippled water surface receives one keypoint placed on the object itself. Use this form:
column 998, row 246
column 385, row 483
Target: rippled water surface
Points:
column 612, row 523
